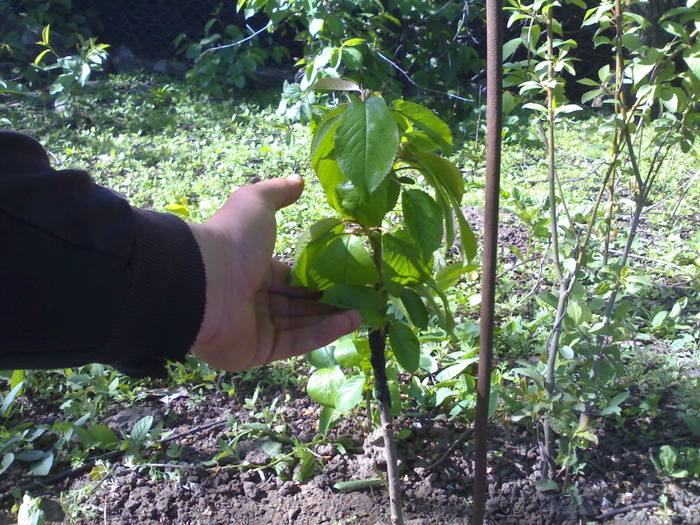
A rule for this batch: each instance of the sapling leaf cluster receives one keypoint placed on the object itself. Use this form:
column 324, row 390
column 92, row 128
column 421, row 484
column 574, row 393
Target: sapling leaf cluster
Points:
column 397, row 201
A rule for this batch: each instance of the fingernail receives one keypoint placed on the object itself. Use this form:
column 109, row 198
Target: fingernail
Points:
column 294, row 176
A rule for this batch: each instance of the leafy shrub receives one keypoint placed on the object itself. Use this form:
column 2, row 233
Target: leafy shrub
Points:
column 405, row 43
column 21, row 26
column 75, row 69
column 225, row 57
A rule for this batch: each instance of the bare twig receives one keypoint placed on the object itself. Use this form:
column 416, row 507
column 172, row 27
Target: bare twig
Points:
column 658, row 261
column 611, row 513
column 189, row 466
column 413, row 82
column 516, row 265
column 457, row 442
column 233, row 44
column 538, row 279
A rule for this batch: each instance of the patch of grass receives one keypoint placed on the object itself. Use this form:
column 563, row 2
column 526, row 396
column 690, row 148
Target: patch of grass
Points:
column 164, row 144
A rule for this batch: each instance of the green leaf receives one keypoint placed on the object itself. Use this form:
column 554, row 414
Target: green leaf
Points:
column 579, row 312
column 141, row 429
column 429, row 123
column 544, row 485
column 43, row 466
column 324, row 137
column 446, row 207
column 325, row 420
column 567, row 352
column 46, row 36
column 588, row 82
column 447, row 180
column 659, row 319
column 613, row 406
column 668, row 457
column 639, row 71
column 547, row 299
column 365, row 299
column 369, row 212
column 692, row 422
column 693, row 63
column 7, row 460
column 330, row 176
column 346, row 353
column 308, row 247
column 306, row 466
column 41, row 56
column 315, row 26
column 358, row 484
column 423, row 220
column 447, row 276
column 366, row 142
column 324, row 384
column 568, row 108
column 352, row 58
column 336, row 84
column 405, row 345
column 30, row 512
column 455, row 370
column 511, row 46
column 350, row 393
column 620, row 398
column 590, row 95
column 440, row 172
column 345, row 260
column 354, row 42
column 272, row 448
column 415, row 307
column 402, row 264
column 30, row 455
column 467, row 239
column 322, row 357
column 7, row 402
column 103, row 434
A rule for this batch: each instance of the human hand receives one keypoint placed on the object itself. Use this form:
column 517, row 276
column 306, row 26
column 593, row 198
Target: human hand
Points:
column 252, row 317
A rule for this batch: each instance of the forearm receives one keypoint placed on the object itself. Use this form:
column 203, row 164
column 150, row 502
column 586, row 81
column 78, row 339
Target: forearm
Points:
column 86, row 278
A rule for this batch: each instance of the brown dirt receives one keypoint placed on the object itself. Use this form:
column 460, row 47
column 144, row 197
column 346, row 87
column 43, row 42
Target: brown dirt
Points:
column 243, row 491
column 618, row 485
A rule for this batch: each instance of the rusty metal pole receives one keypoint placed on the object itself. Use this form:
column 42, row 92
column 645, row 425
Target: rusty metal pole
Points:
column 494, row 125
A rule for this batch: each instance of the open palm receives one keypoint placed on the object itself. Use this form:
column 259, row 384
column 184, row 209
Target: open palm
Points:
column 252, row 316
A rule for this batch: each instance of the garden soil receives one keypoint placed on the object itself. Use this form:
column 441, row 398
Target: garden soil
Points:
column 619, row 485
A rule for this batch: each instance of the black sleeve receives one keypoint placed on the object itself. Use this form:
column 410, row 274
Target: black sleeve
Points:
column 84, row 277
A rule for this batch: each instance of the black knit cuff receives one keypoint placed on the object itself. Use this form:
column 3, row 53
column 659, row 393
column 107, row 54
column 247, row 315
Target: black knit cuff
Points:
column 165, row 305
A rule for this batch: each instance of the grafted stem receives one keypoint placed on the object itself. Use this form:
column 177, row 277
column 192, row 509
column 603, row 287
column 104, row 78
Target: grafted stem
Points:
column 377, row 344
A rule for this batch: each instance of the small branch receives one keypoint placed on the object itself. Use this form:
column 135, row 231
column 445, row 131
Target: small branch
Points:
column 233, row 44
column 457, row 442
column 516, row 265
column 413, row 82
column 611, row 513
column 538, row 279
column 658, row 261
column 189, row 466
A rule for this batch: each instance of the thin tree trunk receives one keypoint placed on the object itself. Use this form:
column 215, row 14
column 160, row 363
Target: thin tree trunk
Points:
column 377, row 343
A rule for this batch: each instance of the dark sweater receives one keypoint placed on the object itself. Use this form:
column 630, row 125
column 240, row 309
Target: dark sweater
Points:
column 84, row 277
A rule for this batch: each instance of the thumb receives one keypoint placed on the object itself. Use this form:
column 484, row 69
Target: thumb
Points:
column 279, row 193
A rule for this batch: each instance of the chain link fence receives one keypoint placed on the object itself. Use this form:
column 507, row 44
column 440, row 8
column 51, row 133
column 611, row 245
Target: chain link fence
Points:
column 149, row 27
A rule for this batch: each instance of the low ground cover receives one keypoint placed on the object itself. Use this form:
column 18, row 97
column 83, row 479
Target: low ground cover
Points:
column 211, row 447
